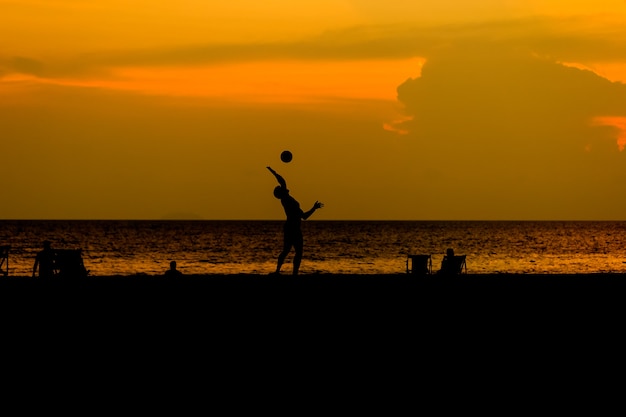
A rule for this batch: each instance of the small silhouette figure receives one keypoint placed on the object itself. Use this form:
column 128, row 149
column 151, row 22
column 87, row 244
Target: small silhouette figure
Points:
column 45, row 261
column 4, row 260
column 292, row 231
column 173, row 272
column 451, row 264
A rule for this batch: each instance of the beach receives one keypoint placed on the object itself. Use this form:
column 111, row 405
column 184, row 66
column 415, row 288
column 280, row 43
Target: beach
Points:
column 510, row 322
column 315, row 282
column 362, row 291
column 328, row 279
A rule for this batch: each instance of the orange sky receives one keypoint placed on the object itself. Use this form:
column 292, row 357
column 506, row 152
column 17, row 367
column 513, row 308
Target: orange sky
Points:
column 280, row 81
column 113, row 109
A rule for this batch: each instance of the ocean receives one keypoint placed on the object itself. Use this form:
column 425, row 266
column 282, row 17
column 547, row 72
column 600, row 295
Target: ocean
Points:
column 111, row 247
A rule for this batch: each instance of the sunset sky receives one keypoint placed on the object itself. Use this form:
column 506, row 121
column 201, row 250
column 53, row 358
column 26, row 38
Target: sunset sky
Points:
column 394, row 110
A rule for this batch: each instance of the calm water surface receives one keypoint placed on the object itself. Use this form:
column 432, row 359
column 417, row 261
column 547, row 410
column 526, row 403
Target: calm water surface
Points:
column 365, row 247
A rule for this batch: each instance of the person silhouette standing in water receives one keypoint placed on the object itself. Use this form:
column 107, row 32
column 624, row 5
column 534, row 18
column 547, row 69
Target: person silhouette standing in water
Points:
column 291, row 229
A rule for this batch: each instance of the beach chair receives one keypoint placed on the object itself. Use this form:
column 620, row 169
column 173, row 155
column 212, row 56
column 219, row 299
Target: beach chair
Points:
column 420, row 264
column 4, row 260
column 69, row 264
column 454, row 265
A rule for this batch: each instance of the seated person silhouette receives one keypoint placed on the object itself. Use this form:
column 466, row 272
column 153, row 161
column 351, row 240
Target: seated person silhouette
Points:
column 44, row 261
column 173, row 272
column 449, row 265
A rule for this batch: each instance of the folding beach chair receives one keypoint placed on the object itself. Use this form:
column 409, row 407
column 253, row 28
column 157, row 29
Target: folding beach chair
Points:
column 69, row 264
column 420, row 264
column 4, row 260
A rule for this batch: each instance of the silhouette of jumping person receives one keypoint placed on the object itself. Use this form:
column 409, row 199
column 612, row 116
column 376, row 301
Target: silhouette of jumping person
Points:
column 173, row 272
column 291, row 229
column 44, row 261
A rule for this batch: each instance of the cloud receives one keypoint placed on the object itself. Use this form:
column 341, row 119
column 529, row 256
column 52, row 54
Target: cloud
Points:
column 21, row 65
column 26, row 65
column 519, row 128
column 484, row 88
column 573, row 39
column 582, row 39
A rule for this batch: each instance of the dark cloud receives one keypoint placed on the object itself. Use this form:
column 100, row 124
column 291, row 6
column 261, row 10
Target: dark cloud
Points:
column 27, row 65
column 507, row 93
column 21, row 65
column 571, row 39
column 503, row 120
column 565, row 39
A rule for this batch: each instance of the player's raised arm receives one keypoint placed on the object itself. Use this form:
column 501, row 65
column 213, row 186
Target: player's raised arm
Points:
column 279, row 178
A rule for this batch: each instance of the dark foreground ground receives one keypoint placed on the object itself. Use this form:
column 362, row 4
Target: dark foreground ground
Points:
column 475, row 340
column 462, row 311
column 325, row 284
column 313, row 281
column 403, row 304
column 394, row 292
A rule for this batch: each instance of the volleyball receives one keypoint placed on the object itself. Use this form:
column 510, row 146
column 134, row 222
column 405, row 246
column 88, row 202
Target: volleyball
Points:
column 286, row 156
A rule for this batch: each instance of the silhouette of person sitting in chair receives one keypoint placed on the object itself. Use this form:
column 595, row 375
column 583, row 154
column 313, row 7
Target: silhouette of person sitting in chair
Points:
column 173, row 272
column 449, row 265
column 292, row 231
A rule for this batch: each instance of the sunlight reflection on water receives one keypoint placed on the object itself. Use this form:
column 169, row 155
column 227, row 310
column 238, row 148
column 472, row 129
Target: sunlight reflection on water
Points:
column 232, row 247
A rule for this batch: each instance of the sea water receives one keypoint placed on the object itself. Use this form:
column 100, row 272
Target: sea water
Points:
column 359, row 247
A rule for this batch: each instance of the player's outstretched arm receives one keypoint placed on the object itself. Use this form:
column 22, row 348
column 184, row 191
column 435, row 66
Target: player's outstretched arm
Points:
column 279, row 178
column 316, row 206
